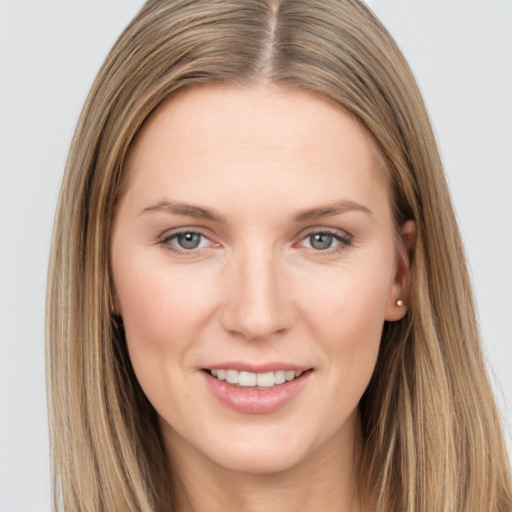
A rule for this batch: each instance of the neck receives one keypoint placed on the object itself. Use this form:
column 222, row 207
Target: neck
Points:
column 324, row 480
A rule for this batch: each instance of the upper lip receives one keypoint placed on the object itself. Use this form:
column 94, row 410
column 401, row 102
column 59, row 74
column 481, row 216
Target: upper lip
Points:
column 273, row 366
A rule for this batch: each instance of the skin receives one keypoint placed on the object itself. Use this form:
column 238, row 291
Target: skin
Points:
column 257, row 288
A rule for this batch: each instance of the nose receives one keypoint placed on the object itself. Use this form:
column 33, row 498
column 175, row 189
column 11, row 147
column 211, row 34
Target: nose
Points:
column 257, row 305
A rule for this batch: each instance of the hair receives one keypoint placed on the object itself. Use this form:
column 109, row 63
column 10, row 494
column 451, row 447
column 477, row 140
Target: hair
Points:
column 432, row 439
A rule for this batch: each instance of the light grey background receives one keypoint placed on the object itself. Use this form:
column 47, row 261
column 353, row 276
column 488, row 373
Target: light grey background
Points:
column 461, row 52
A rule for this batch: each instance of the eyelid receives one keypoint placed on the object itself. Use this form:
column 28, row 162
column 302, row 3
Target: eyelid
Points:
column 165, row 240
column 344, row 238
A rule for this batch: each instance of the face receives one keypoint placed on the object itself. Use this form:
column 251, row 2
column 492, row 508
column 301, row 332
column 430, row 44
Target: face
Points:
column 255, row 260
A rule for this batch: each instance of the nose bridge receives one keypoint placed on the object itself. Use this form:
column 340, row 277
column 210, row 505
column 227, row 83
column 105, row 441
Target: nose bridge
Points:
column 257, row 305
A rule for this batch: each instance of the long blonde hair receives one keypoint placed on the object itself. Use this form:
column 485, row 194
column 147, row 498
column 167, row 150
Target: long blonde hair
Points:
column 432, row 435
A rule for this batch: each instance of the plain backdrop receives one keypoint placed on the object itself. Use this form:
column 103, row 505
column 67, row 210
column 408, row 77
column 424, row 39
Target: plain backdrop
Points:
column 50, row 51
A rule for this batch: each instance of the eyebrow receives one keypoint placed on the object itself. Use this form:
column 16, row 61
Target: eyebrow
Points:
column 336, row 208
column 200, row 212
column 189, row 210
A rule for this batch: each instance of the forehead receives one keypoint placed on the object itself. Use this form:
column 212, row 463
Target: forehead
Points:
column 258, row 114
column 262, row 138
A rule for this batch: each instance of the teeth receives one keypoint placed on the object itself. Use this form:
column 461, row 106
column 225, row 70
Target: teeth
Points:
column 250, row 379
column 232, row 376
column 280, row 377
column 265, row 380
column 247, row 379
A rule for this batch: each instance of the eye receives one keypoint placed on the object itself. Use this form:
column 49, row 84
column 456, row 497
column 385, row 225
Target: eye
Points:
column 189, row 240
column 325, row 241
column 186, row 242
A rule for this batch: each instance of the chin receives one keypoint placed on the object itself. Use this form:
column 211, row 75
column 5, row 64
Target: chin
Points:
column 260, row 460
column 246, row 449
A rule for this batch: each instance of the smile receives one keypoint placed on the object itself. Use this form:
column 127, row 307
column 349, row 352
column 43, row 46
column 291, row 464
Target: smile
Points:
column 253, row 392
column 255, row 380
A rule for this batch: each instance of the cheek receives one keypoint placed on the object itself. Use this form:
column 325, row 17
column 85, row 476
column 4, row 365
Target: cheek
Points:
column 164, row 310
column 346, row 315
column 353, row 339
column 346, row 300
column 160, row 301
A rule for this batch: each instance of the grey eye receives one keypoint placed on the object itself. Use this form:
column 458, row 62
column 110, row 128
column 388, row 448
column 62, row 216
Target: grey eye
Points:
column 189, row 240
column 321, row 241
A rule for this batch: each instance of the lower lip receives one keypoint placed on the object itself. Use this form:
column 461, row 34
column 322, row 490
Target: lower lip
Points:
column 256, row 401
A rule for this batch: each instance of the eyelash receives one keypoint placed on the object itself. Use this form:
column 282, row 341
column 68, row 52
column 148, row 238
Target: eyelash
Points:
column 343, row 242
column 166, row 242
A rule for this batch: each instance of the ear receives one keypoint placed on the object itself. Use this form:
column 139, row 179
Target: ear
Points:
column 398, row 298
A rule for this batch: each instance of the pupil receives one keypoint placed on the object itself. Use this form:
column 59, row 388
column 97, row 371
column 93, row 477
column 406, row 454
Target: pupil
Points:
column 189, row 240
column 321, row 241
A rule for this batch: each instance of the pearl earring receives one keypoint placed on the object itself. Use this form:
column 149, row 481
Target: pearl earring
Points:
column 399, row 303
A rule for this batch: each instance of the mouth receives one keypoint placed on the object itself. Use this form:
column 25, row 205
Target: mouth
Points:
column 257, row 392
column 252, row 380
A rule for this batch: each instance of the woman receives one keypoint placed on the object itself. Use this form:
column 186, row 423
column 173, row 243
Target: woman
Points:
column 258, row 295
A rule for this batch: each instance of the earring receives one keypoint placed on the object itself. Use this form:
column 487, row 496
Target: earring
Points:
column 399, row 303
